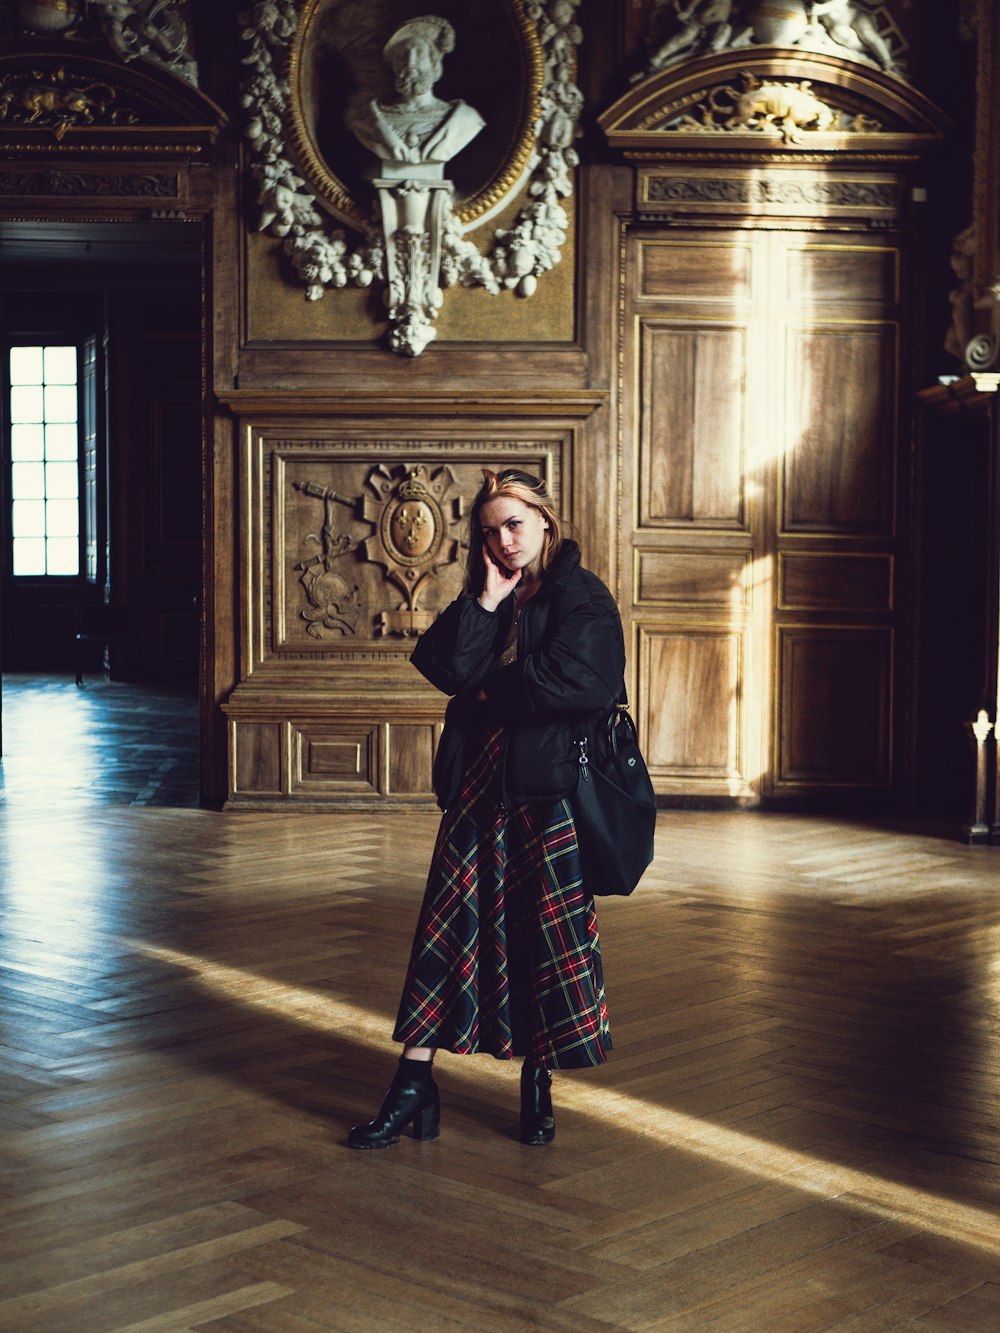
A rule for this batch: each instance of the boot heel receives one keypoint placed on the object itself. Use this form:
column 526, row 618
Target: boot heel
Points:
column 427, row 1125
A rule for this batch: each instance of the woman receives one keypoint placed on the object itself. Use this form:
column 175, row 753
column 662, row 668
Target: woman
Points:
column 506, row 957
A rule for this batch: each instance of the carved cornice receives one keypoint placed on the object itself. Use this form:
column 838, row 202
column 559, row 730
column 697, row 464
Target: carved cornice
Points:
column 67, row 184
column 715, row 104
column 797, row 192
column 301, row 403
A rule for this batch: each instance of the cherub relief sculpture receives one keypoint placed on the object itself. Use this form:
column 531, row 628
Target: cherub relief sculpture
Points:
column 417, row 126
column 852, row 26
column 704, row 25
column 148, row 29
column 856, row 29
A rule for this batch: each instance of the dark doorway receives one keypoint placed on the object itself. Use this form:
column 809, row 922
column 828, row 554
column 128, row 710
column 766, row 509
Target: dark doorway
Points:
column 126, row 298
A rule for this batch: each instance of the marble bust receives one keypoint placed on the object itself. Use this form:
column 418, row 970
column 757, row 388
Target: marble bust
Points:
column 416, row 127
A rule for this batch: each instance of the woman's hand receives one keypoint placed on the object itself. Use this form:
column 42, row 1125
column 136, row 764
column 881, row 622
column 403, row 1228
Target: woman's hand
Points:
column 499, row 585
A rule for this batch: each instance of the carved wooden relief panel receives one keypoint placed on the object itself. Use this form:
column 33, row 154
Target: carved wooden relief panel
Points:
column 358, row 555
column 353, row 540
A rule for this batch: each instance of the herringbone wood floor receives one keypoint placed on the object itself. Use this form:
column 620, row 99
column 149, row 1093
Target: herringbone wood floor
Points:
column 798, row 1129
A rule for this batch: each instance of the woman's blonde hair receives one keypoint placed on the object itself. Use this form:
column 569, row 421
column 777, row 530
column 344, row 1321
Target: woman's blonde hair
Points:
column 516, row 485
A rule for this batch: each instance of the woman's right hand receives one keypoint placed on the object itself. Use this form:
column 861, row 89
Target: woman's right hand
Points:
column 498, row 585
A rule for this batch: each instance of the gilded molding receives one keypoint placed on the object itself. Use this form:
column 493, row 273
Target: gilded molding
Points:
column 59, row 101
column 335, row 193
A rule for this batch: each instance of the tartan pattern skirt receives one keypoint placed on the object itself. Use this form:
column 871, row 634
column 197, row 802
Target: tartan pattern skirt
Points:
column 506, row 957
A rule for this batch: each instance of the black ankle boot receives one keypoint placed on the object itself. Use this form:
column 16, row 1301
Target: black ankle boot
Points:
column 538, row 1125
column 412, row 1099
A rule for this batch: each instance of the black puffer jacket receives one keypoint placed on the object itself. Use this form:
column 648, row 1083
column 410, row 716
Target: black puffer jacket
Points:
column 569, row 672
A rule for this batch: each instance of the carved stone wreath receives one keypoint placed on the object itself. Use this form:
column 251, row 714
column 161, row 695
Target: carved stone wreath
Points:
column 322, row 255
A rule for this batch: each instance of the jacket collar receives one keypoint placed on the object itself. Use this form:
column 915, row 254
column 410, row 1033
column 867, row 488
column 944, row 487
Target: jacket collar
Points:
column 559, row 572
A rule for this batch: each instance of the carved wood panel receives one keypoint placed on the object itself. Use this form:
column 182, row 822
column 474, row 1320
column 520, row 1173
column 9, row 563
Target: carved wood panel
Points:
column 358, row 542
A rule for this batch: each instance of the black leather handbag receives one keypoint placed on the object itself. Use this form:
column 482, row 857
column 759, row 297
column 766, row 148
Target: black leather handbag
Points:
column 614, row 808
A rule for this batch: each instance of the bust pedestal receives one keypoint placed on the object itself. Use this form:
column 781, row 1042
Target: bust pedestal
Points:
column 414, row 203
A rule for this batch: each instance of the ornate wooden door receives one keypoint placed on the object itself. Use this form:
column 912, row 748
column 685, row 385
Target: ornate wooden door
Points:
column 763, row 400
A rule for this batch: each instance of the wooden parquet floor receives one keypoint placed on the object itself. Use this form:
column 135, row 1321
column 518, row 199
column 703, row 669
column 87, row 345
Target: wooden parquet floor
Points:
column 798, row 1129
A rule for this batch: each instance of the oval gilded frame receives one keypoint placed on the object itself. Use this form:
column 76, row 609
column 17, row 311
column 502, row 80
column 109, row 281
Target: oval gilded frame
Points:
column 337, row 195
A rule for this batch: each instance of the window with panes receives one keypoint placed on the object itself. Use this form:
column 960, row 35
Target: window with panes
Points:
column 45, row 474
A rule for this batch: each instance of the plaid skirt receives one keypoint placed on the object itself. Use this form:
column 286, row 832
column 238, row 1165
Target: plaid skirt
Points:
column 506, row 958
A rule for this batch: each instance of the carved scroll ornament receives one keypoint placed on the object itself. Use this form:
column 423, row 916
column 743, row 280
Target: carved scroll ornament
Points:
column 322, row 254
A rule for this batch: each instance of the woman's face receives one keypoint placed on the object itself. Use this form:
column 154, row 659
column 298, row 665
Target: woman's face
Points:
column 514, row 532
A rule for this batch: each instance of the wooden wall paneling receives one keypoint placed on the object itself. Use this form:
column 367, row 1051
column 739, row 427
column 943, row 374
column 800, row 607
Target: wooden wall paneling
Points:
column 604, row 197
column 256, row 759
column 692, row 424
column 328, row 759
column 221, row 628
column 409, row 749
column 835, row 707
column 688, row 415
column 325, row 604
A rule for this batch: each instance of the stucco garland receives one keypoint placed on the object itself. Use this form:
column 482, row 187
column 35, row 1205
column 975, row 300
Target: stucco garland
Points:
column 323, row 255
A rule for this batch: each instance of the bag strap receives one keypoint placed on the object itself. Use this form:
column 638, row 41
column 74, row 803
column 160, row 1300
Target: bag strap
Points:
column 619, row 718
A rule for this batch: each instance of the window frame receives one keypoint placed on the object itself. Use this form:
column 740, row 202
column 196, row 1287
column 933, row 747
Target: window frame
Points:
column 88, row 505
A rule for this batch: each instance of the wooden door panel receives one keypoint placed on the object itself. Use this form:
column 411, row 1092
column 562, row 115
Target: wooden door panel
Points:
column 762, row 430
column 838, row 275
column 700, row 578
column 825, row 582
column 690, row 698
column 834, row 694
column 695, row 270
column 840, row 429
column 692, row 426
